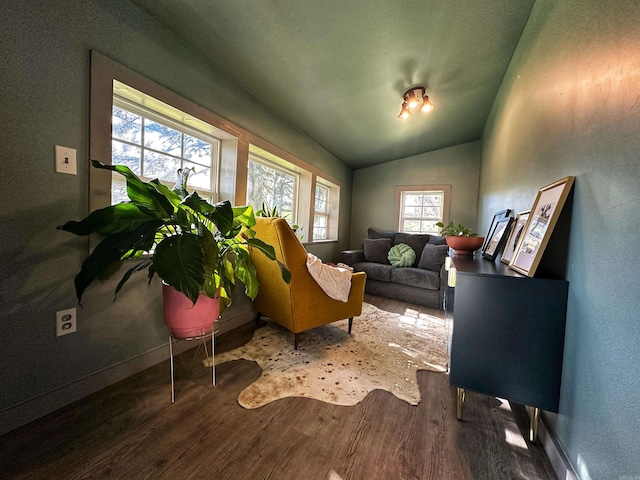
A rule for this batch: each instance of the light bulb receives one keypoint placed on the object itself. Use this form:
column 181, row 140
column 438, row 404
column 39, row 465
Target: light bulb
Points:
column 412, row 100
column 427, row 106
column 405, row 112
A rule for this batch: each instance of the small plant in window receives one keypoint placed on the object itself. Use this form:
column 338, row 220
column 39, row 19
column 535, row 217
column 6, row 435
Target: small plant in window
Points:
column 268, row 211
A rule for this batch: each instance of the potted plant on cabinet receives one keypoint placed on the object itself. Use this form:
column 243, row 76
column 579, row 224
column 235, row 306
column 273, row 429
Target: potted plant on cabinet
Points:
column 199, row 250
column 461, row 239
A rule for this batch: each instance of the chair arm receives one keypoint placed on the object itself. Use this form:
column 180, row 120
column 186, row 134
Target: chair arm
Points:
column 350, row 257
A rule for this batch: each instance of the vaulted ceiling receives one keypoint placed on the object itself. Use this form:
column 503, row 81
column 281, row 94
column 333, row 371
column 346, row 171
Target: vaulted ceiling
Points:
column 337, row 69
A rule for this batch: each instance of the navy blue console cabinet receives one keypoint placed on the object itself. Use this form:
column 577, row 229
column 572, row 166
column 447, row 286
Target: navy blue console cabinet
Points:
column 508, row 334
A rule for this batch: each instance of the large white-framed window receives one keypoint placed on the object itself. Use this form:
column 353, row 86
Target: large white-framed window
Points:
column 177, row 134
column 420, row 207
column 153, row 145
column 273, row 186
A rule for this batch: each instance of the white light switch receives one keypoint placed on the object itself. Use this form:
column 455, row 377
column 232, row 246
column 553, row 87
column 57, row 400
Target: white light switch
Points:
column 66, row 160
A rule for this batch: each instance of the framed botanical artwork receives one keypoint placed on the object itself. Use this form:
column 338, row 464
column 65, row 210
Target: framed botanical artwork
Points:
column 514, row 236
column 502, row 214
column 539, row 227
column 498, row 238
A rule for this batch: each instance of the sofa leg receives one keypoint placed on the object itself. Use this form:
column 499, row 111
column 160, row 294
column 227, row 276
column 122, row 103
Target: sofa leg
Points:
column 296, row 340
column 350, row 324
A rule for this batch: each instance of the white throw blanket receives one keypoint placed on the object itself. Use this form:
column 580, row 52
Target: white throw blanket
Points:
column 335, row 281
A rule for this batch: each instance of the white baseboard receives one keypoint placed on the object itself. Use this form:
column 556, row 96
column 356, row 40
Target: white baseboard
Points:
column 25, row 412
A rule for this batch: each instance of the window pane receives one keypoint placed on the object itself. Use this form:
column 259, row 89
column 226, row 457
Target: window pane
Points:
column 197, row 150
column 319, row 233
column 118, row 191
column 126, row 126
column 321, row 199
column 411, row 199
column 160, row 166
column 125, row 154
column 431, row 212
column 413, row 212
column 162, row 138
column 411, row 226
column 435, row 200
column 200, row 177
column 429, row 226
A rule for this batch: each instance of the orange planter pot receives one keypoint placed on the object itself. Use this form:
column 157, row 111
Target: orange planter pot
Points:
column 464, row 245
column 186, row 320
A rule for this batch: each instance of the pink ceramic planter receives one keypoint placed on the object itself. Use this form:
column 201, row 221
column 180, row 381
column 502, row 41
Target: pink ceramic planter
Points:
column 186, row 320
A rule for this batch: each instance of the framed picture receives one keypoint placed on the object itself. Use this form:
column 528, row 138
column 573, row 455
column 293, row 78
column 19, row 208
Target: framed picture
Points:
column 502, row 214
column 514, row 236
column 498, row 238
column 539, row 227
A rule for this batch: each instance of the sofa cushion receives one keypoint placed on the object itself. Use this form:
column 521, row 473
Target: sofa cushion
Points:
column 414, row 240
column 433, row 257
column 401, row 255
column 376, row 249
column 375, row 233
column 416, row 277
column 436, row 240
column 375, row 271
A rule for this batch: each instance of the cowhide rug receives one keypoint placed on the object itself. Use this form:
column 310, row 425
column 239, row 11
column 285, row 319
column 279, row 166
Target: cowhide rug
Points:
column 385, row 350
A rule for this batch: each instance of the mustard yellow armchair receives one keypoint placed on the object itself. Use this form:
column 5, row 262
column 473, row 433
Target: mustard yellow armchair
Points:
column 301, row 304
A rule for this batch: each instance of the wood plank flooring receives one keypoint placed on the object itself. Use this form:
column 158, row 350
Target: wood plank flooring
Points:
column 132, row 431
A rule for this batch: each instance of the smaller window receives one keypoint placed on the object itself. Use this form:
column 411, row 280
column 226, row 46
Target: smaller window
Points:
column 321, row 213
column 326, row 211
column 421, row 207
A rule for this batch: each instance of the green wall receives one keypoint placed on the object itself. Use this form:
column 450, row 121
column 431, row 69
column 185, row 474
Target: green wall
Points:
column 44, row 86
column 569, row 105
column 374, row 188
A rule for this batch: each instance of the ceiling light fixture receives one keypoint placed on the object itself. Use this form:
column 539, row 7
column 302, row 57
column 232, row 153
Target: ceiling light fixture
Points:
column 412, row 100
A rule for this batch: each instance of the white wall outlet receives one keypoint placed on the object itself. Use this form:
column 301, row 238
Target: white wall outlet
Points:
column 66, row 160
column 65, row 322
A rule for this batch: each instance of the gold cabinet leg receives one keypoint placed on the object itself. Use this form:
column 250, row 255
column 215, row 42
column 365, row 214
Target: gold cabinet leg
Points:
column 533, row 428
column 459, row 403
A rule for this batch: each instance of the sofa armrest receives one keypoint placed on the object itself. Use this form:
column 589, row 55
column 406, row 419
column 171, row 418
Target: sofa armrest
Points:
column 351, row 256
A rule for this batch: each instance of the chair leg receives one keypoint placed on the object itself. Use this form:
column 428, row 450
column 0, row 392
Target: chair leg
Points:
column 350, row 324
column 259, row 321
column 296, row 340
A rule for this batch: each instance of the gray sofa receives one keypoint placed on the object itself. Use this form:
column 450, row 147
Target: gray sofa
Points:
column 422, row 283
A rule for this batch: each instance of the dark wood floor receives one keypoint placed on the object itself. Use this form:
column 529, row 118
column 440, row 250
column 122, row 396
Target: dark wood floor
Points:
column 132, row 431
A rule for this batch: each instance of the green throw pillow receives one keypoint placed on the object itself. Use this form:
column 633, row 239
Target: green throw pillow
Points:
column 401, row 255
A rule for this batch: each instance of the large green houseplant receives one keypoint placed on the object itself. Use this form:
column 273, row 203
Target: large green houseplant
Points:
column 193, row 246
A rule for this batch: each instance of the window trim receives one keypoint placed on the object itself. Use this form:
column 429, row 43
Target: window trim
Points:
column 401, row 189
